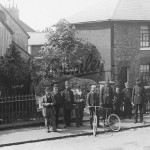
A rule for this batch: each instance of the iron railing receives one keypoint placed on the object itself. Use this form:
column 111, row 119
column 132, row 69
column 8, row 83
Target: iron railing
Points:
column 26, row 108
column 19, row 108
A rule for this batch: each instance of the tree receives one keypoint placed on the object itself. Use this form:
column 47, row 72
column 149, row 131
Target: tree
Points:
column 14, row 70
column 64, row 50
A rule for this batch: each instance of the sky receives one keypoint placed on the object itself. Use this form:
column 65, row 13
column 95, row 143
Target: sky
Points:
column 39, row 14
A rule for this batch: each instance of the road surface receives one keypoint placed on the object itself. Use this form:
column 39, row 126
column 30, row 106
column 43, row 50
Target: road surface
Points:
column 133, row 139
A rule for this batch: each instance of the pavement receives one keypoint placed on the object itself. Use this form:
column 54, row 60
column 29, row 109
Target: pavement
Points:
column 34, row 131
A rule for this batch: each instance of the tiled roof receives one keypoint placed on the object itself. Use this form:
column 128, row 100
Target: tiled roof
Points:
column 37, row 38
column 116, row 10
column 14, row 20
column 25, row 26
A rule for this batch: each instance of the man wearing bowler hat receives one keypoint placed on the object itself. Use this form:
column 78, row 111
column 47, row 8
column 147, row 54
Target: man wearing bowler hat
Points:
column 48, row 110
column 138, row 96
column 67, row 100
column 56, row 96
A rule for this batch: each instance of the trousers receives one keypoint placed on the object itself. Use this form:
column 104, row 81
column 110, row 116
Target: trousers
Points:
column 139, row 107
column 50, row 119
column 67, row 116
column 79, row 116
column 57, row 109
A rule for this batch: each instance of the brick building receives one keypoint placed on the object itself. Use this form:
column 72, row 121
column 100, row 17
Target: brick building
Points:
column 121, row 33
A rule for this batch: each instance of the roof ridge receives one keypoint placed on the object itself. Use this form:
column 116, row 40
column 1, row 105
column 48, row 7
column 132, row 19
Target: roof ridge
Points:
column 25, row 25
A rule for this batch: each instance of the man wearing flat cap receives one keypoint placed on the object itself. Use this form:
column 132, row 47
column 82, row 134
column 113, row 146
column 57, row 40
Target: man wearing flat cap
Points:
column 127, row 96
column 67, row 102
column 93, row 100
column 56, row 96
column 48, row 110
column 138, row 96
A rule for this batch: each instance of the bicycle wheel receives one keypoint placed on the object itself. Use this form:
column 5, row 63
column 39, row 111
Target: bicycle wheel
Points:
column 114, row 122
column 95, row 125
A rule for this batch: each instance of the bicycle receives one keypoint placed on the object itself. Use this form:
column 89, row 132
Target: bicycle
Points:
column 94, row 119
column 112, row 120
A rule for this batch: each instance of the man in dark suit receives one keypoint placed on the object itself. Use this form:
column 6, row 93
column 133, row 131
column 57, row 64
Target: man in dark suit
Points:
column 106, row 96
column 56, row 96
column 138, row 96
column 93, row 100
column 127, row 96
column 67, row 100
column 48, row 110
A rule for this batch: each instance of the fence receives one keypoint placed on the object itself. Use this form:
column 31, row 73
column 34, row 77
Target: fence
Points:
column 26, row 108
column 19, row 108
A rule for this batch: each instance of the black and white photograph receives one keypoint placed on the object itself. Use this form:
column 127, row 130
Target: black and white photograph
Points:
column 74, row 74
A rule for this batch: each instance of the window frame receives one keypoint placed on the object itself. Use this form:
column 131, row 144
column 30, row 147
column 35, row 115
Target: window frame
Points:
column 145, row 73
column 144, row 37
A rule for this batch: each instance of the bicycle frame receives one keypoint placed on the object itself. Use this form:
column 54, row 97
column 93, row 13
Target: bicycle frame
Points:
column 94, row 119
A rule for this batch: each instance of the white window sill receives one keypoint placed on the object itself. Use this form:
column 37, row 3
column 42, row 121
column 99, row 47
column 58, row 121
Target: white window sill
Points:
column 145, row 48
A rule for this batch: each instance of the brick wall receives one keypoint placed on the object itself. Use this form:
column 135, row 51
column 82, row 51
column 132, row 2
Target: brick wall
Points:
column 126, row 50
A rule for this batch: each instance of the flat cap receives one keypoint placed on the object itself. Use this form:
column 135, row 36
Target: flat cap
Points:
column 55, row 86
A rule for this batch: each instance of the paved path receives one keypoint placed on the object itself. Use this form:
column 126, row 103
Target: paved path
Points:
column 38, row 133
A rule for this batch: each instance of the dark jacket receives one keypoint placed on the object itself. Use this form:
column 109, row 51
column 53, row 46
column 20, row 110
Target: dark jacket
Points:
column 117, row 98
column 93, row 99
column 67, row 99
column 138, row 94
column 79, row 104
column 46, row 109
column 57, row 97
column 106, row 95
column 127, row 95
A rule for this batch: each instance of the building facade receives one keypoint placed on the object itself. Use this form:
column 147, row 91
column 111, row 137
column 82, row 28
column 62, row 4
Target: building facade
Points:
column 122, row 38
column 12, row 31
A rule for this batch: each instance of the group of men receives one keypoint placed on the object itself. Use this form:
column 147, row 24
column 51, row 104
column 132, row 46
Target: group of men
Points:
column 53, row 101
column 113, row 98
column 107, row 98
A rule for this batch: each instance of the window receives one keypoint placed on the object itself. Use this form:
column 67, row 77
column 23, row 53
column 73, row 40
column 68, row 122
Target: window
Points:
column 145, row 36
column 144, row 73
